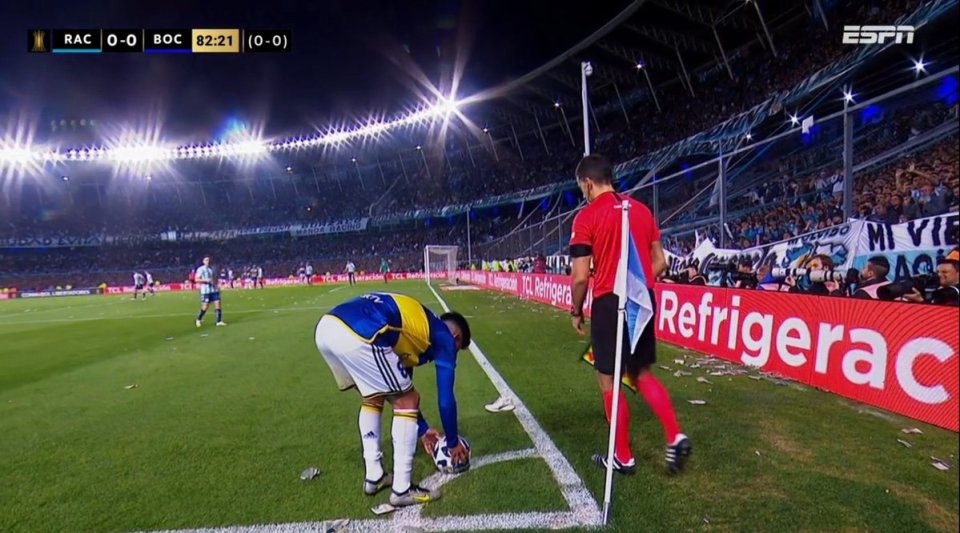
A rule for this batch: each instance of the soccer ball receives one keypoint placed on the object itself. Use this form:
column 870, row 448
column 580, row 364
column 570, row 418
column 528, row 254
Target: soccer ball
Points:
column 441, row 455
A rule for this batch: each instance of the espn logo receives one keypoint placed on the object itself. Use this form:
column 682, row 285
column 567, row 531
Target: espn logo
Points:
column 877, row 34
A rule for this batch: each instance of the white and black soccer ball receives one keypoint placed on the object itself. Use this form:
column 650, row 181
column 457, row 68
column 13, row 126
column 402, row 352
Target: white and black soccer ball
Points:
column 441, row 455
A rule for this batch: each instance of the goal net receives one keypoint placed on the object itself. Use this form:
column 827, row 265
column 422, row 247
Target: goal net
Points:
column 440, row 262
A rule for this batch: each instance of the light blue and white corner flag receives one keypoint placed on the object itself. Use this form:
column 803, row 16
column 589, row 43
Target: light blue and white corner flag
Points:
column 632, row 287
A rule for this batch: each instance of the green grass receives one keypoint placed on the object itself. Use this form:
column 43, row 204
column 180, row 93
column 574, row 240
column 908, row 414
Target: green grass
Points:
column 224, row 419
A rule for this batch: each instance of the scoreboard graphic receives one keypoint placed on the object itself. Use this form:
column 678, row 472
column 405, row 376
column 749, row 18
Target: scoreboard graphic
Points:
column 142, row 41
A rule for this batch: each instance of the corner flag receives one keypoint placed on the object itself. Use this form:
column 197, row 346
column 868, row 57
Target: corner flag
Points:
column 636, row 309
column 631, row 287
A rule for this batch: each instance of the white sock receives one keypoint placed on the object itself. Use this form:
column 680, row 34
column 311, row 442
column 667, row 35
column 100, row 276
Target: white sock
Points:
column 404, row 447
column 369, row 422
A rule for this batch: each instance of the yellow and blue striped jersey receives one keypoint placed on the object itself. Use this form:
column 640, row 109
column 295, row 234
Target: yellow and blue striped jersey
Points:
column 415, row 334
column 400, row 322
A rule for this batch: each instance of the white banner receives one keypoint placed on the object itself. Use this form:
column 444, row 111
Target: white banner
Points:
column 57, row 241
column 839, row 243
column 912, row 248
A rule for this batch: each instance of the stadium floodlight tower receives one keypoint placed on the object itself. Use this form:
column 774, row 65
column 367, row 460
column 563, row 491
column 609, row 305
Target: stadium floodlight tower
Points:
column 440, row 262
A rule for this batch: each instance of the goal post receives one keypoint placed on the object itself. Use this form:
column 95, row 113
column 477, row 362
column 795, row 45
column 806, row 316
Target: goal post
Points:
column 440, row 262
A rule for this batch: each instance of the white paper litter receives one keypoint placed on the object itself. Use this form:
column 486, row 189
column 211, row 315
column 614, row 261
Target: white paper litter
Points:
column 382, row 509
column 698, row 402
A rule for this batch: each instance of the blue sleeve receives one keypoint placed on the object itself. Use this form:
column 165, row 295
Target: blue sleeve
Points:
column 422, row 425
column 446, row 362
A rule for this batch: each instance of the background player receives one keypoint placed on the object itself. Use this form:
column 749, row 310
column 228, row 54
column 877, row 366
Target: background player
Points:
column 308, row 270
column 209, row 292
column 372, row 343
column 385, row 268
column 150, row 286
column 351, row 270
column 138, row 281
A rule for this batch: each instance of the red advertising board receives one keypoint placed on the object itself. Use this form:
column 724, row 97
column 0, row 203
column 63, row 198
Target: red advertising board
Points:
column 896, row 356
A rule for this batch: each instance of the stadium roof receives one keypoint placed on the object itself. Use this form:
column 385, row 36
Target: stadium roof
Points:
column 369, row 60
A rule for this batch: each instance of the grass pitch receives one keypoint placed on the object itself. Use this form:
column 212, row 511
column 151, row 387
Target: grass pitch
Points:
column 222, row 421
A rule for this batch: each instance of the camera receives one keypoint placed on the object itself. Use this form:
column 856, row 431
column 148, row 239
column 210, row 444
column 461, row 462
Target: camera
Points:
column 781, row 273
column 680, row 277
column 823, row 276
column 925, row 284
column 730, row 275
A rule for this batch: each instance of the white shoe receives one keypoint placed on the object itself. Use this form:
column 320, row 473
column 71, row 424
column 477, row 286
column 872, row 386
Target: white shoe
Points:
column 221, row 323
column 199, row 323
column 502, row 405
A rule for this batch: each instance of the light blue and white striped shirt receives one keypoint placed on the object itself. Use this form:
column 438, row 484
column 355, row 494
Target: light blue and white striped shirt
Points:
column 207, row 280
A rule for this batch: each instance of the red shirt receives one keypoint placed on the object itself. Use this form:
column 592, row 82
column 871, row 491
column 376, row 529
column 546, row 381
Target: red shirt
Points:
column 598, row 226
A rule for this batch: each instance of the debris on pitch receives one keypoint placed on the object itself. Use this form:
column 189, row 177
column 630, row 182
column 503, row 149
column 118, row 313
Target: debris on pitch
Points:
column 702, row 379
column 168, row 339
column 698, row 402
column 681, row 373
column 309, row 473
column 667, row 368
column 679, row 362
column 382, row 509
column 128, row 387
column 940, row 466
column 947, row 465
column 755, row 378
column 913, row 431
column 904, row 443
column 251, row 338
column 757, row 452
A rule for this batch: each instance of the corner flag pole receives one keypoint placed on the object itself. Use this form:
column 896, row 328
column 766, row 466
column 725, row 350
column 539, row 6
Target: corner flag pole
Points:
column 620, row 289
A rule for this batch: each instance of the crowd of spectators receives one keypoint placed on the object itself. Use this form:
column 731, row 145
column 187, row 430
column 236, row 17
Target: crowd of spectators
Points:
column 461, row 175
column 922, row 185
column 779, row 208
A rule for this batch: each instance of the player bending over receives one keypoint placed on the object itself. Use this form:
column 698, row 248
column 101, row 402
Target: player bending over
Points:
column 372, row 343
column 209, row 292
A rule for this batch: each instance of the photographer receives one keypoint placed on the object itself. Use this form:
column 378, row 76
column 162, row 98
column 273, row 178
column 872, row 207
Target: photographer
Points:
column 948, row 293
column 694, row 277
column 817, row 277
column 745, row 278
column 872, row 278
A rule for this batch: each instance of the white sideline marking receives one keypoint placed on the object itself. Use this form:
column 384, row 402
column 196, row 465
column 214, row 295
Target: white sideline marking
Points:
column 584, row 508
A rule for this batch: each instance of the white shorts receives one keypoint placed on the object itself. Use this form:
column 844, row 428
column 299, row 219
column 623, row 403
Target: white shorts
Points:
column 374, row 370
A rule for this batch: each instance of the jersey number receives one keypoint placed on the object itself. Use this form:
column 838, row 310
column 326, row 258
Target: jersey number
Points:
column 404, row 371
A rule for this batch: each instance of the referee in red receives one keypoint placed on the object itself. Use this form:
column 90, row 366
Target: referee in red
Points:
column 596, row 237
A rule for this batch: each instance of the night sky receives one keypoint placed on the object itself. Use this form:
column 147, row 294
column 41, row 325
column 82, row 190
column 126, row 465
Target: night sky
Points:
column 348, row 57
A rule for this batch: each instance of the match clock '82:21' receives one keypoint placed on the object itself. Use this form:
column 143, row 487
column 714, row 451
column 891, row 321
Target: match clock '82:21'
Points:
column 216, row 41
